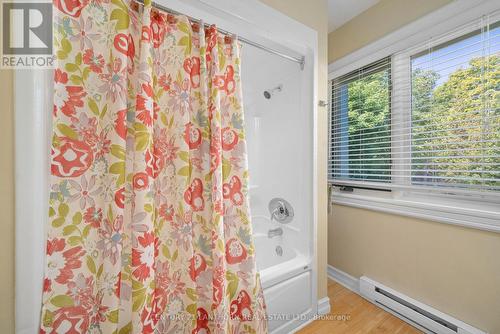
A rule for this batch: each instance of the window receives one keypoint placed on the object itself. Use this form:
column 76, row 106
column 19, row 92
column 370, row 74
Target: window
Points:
column 430, row 123
column 418, row 132
column 361, row 125
column 455, row 115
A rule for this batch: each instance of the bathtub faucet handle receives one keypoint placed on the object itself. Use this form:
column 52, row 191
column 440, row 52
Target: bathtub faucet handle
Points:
column 274, row 213
column 281, row 211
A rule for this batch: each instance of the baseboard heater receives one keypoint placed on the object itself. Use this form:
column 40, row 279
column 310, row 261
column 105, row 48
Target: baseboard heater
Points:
column 420, row 315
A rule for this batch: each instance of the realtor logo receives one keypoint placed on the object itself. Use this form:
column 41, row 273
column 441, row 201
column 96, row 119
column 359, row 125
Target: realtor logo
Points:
column 27, row 35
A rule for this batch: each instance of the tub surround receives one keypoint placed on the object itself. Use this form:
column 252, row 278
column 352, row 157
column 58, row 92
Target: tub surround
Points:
column 278, row 174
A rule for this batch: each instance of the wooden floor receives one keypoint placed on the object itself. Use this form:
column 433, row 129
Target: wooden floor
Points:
column 354, row 315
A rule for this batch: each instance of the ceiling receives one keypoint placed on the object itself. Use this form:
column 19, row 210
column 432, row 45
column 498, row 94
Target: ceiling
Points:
column 342, row 11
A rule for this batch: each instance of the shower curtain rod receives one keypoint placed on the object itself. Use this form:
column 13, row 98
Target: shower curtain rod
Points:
column 299, row 60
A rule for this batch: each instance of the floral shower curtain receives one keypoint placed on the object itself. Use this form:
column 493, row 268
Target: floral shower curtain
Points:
column 149, row 219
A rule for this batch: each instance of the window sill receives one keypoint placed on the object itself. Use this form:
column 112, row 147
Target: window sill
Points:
column 486, row 218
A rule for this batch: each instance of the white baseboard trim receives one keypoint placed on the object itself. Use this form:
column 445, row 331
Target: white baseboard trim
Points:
column 343, row 278
column 324, row 306
column 352, row 283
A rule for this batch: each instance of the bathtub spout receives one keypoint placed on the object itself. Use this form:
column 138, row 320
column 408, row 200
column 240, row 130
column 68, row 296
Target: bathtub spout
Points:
column 275, row 232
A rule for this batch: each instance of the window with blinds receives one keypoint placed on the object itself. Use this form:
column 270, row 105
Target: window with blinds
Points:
column 427, row 118
column 455, row 116
column 360, row 132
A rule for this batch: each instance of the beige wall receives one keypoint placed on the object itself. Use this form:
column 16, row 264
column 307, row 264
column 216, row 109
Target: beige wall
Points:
column 314, row 13
column 379, row 20
column 6, row 204
column 454, row 269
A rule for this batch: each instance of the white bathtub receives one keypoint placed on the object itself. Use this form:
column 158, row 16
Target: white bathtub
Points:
column 286, row 278
column 280, row 160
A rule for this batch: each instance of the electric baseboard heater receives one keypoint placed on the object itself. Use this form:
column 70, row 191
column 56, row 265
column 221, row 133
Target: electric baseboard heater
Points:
column 415, row 313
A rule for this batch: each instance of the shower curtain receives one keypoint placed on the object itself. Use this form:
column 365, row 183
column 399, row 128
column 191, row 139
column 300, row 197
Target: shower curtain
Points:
column 149, row 218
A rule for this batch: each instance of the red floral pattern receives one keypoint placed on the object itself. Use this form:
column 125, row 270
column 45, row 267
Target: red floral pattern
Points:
column 232, row 191
column 62, row 260
column 229, row 139
column 192, row 136
column 71, row 158
column 194, row 195
column 67, row 97
column 148, row 204
column 71, row 7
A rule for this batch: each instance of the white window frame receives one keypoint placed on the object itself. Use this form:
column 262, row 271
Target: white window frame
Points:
column 475, row 212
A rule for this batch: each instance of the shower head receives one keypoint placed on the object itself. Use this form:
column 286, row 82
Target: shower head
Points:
column 270, row 92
